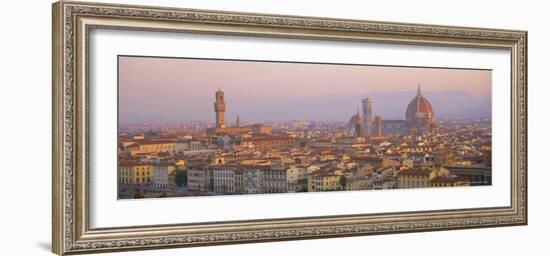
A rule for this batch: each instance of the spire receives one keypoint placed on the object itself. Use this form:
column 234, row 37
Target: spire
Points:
column 419, row 90
column 238, row 122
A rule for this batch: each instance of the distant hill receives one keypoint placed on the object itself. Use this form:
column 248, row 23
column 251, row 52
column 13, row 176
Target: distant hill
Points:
column 445, row 104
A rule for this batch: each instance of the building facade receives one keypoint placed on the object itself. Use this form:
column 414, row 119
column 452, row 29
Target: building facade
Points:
column 265, row 142
column 324, row 181
column 274, row 180
column 133, row 173
column 224, row 179
column 415, row 178
column 199, row 179
column 252, row 181
column 478, row 175
column 161, row 174
column 296, row 178
column 239, row 181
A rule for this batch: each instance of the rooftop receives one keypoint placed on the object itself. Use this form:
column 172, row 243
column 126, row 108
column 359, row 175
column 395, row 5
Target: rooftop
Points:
column 415, row 172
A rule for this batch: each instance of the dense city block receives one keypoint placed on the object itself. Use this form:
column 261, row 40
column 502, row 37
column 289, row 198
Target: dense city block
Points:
column 364, row 152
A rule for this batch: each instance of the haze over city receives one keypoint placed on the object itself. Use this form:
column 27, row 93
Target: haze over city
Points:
column 292, row 128
column 164, row 90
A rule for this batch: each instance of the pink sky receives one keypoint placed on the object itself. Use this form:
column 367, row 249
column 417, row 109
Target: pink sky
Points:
column 174, row 89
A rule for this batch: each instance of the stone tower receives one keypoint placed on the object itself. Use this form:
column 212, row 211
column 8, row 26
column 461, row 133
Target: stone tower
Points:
column 367, row 116
column 219, row 108
column 378, row 126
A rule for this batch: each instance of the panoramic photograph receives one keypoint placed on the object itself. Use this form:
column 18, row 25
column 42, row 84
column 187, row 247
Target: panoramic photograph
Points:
column 214, row 127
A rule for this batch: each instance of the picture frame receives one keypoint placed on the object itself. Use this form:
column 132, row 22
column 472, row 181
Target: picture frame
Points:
column 73, row 22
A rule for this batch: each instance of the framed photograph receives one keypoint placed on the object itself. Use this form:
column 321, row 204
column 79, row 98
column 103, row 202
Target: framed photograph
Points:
column 179, row 127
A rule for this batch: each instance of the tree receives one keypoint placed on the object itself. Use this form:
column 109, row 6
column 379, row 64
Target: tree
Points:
column 343, row 182
column 139, row 194
column 181, row 178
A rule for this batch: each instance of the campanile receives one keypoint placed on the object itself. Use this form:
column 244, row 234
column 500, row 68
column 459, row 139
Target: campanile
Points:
column 219, row 108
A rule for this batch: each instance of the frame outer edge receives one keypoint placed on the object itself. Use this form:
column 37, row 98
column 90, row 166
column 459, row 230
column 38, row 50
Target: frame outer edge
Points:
column 525, row 108
column 57, row 130
column 66, row 239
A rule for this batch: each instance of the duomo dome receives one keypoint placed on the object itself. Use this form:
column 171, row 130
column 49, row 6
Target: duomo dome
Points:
column 420, row 115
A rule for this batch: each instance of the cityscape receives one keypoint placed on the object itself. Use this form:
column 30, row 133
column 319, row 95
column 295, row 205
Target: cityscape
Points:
column 363, row 150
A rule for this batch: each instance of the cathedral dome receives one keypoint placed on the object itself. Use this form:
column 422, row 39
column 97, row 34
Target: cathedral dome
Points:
column 419, row 108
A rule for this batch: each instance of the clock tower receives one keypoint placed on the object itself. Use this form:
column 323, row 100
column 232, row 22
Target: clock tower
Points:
column 219, row 108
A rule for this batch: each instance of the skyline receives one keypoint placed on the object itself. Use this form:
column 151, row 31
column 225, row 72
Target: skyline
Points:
column 171, row 90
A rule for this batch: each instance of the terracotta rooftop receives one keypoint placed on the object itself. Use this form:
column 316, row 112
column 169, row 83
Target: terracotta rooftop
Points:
column 131, row 163
column 415, row 172
column 367, row 158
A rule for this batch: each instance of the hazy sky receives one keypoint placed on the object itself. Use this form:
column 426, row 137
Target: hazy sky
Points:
column 173, row 90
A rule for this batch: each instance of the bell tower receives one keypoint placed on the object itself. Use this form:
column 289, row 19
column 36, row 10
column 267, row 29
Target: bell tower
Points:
column 367, row 116
column 219, row 108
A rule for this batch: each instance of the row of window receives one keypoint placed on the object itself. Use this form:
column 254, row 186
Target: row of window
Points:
column 223, row 174
column 224, row 188
column 137, row 180
column 128, row 173
column 414, row 183
column 223, row 182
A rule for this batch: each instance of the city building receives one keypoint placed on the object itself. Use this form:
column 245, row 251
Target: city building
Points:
column 443, row 157
column 323, row 181
column 375, row 161
column 378, row 126
column 134, row 173
column 161, row 173
column 415, row 178
column 252, row 180
column 154, row 146
column 358, row 183
column 450, row 181
column 419, row 118
column 221, row 127
column 478, row 175
column 356, row 123
column 265, row 142
column 200, row 178
column 296, row 178
column 274, row 180
column 239, row 181
column 224, row 179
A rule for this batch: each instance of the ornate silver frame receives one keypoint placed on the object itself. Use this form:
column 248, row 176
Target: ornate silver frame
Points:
column 72, row 21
